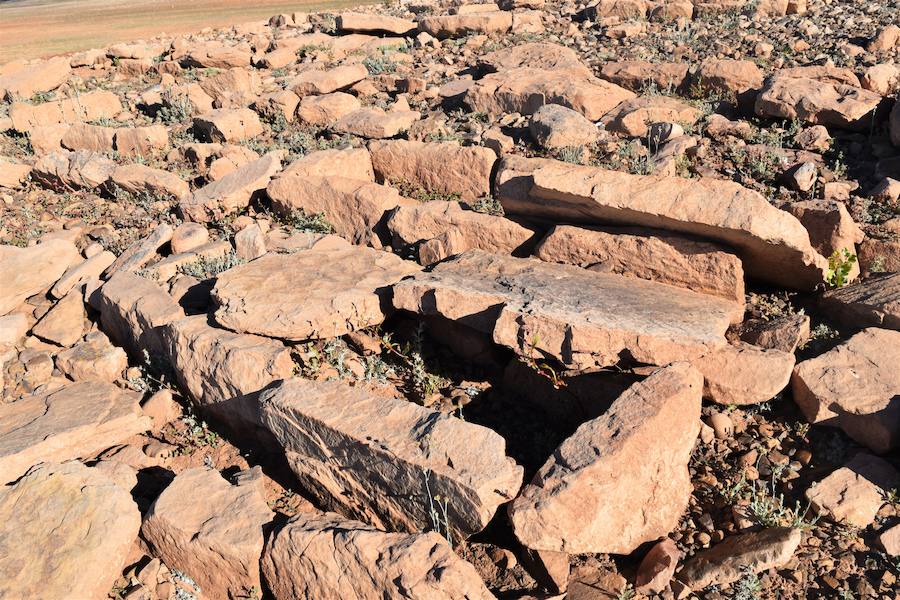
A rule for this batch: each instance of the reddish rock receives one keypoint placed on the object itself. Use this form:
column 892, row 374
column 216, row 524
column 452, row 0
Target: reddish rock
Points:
column 135, row 179
column 28, row 271
column 817, row 102
column 635, row 75
column 744, row 374
column 374, row 123
column 94, row 138
column 784, row 333
column 872, row 303
column 91, row 106
column 232, row 192
column 34, row 78
column 657, row 567
column 734, row 77
column 554, row 126
column 349, row 163
column 325, row 110
column 325, row 82
column 227, row 125
column 141, row 141
column 854, row 493
column 451, row 26
column 372, row 23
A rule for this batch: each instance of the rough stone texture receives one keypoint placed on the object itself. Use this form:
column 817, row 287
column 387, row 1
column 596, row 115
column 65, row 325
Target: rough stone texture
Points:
column 227, row 125
column 699, row 266
column 216, row 366
column 68, row 171
column 537, row 55
column 325, row 82
column 373, row 123
column 327, row 556
column 188, row 236
column 554, row 126
column 65, row 323
column 325, row 110
column 784, row 333
column 135, row 178
column 450, row 26
column 524, row 90
column 369, row 23
column 64, row 529
column 830, row 227
column 27, row 271
column 730, row 560
column 633, row 117
column 854, row 493
column 444, row 167
column 621, row 479
column 133, row 310
column 232, row 192
column 774, row 246
column 77, row 420
column 417, row 223
column 263, row 297
column 635, row 75
column 82, row 136
column 141, row 251
column 210, row 530
column 141, row 141
column 582, row 319
column 890, row 540
column 12, row 175
column 92, row 106
column 872, row 303
column 377, row 459
column 657, row 567
column 729, row 76
column 351, row 163
column 355, row 208
column 94, row 359
column 33, row 78
column 855, row 386
column 817, row 102
column 744, row 374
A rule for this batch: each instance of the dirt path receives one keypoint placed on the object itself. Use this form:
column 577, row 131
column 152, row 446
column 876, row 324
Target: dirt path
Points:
column 34, row 28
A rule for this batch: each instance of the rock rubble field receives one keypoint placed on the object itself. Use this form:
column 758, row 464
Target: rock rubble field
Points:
column 435, row 300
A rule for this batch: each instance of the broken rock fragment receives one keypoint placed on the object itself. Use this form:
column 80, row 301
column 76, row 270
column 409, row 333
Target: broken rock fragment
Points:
column 874, row 302
column 744, row 374
column 232, row 192
column 635, row 454
column 854, row 493
column 27, row 271
column 380, row 459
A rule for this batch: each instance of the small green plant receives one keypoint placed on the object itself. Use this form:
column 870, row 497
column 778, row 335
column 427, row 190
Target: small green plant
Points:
column 571, row 154
column 437, row 510
column 422, row 383
column 300, row 220
column 626, row 593
column 196, row 434
column 207, row 268
column 540, row 366
column 378, row 65
column 767, row 506
column 748, row 587
column 840, row 263
column 487, row 205
column 175, row 108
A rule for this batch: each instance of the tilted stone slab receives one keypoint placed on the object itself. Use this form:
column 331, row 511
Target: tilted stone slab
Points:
column 621, row 479
column 874, row 302
column 381, row 459
column 581, row 318
column 75, row 421
column 773, row 245
column 318, row 293
column 27, row 271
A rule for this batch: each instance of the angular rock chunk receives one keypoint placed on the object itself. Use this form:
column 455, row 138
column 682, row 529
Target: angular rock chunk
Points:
column 830, row 226
column 744, row 374
column 325, row 110
column 818, row 102
column 448, row 26
column 216, row 366
column 211, row 530
column 89, row 137
column 537, row 55
column 555, row 126
column 135, row 178
column 635, row 75
column 374, row 123
column 371, row 23
column 67, row 171
column 227, row 125
column 94, row 359
column 580, row 318
column 658, row 567
column 855, row 386
column 232, row 192
column 324, row 82
column 12, row 175
column 64, row 529
column 64, row 323
column 378, row 459
column 423, row 222
column 351, row 163
column 633, row 117
column 92, row 106
column 730, row 560
column 34, row 78
column 444, row 167
column 729, row 76
column 784, row 333
column 318, row 293
column 856, row 492
column 141, row 251
column 699, row 266
column 774, row 245
column 27, row 271
column 141, row 141
column 635, row 455
column 75, row 421
column 355, row 208
column 526, row 89
column 872, row 303
column 133, row 310
column 327, row 556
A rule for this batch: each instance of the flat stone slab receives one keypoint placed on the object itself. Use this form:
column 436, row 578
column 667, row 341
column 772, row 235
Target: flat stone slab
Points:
column 855, row 386
column 27, row 271
column 66, row 531
column 773, row 244
column 77, row 420
column 581, row 318
column 318, row 293
column 380, row 459
column 872, row 303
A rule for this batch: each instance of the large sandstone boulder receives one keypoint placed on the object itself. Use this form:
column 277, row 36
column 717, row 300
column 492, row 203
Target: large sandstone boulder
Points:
column 744, row 374
column 92, row 106
column 635, row 75
column 812, row 101
column 537, row 55
column 448, row 26
column 580, row 318
column 435, row 221
column 872, row 303
column 386, row 461
column 74, row 421
column 553, row 126
column 444, row 167
column 525, row 89
column 325, row 110
column 28, row 271
column 325, row 82
column 699, row 266
column 621, row 479
column 232, row 192
column 66, row 171
column 328, row 556
column 33, row 78
column 211, row 530
column 135, row 178
column 372, row 23
column 374, row 123
column 65, row 532
column 340, row 289
column 352, row 163
column 227, row 125
column 773, row 245
column 855, row 386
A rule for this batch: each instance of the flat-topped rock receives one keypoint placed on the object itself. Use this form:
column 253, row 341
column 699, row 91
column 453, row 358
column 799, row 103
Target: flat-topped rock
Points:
column 33, row 78
column 635, row 75
column 581, row 318
column 872, row 303
column 450, row 26
column 211, row 530
column 232, row 192
column 744, row 374
column 536, row 55
column 818, row 102
column 318, row 293
column 634, row 117
column 27, row 271
column 553, row 126
column 371, row 23
column 525, row 89
column 328, row 556
column 855, row 386
column 773, row 245
column 227, row 125
column 92, row 106
column 422, row 223
column 378, row 459
column 444, row 167
column 373, row 123
column 65, row 171
column 135, row 178
column 141, row 251
column 621, row 479
column 325, row 110
column 646, row 254
column 854, row 493
column 352, row 163
column 65, row 529
column 75, row 421
column 324, row 82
